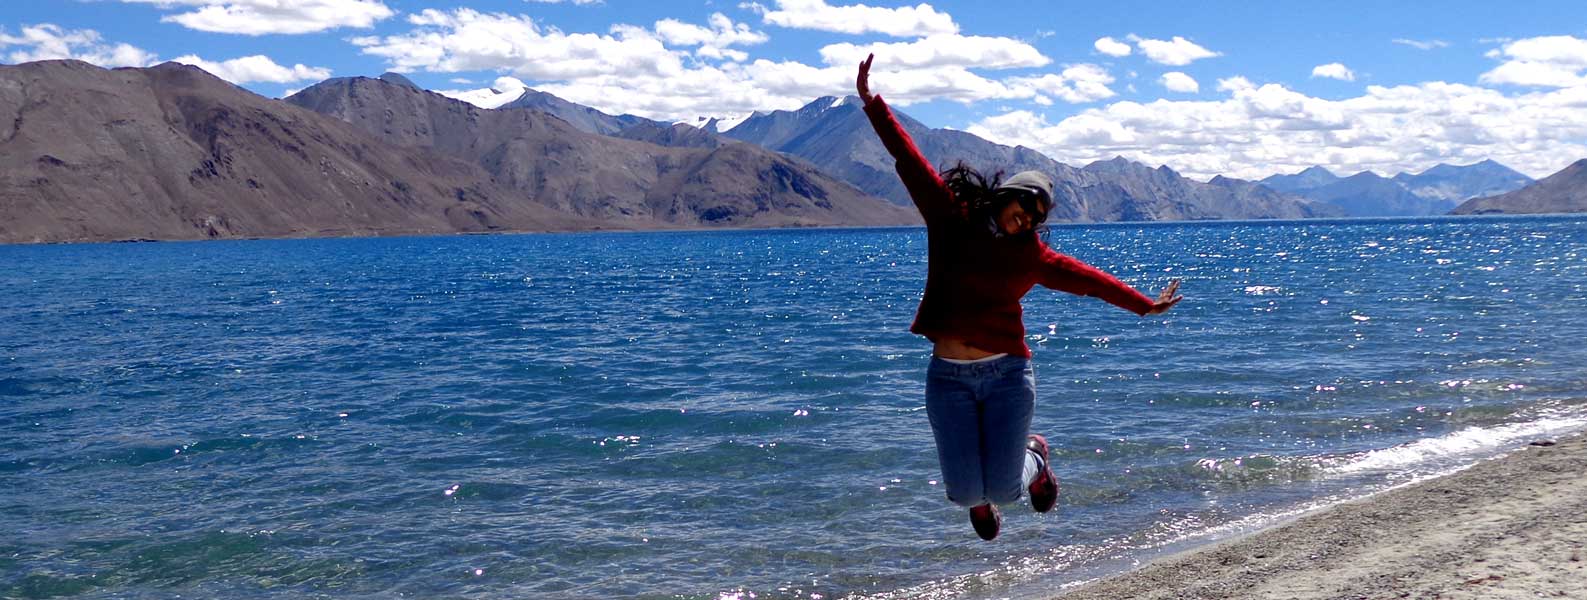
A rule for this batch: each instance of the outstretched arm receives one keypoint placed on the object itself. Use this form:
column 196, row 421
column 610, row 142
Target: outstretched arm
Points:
column 920, row 178
column 862, row 83
column 1068, row 274
column 1167, row 299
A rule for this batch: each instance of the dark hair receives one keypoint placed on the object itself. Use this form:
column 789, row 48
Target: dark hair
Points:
column 973, row 191
column 977, row 195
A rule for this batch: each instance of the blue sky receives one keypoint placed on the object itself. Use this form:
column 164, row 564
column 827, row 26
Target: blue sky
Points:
column 1239, row 88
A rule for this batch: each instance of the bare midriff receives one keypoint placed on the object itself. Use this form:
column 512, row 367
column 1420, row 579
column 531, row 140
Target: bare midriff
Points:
column 958, row 349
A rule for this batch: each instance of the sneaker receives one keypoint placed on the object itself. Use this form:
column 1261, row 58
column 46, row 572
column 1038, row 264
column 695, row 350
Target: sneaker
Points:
column 1044, row 490
column 987, row 520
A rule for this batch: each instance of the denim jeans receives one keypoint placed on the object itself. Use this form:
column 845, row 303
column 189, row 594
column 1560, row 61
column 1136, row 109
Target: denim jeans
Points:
column 980, row 415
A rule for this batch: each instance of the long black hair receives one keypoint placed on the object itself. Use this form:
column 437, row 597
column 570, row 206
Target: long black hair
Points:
column 978, row 197
column 974, row 192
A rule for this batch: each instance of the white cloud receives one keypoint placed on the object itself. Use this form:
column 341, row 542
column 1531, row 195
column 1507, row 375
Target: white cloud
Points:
column 1422, row 44
column 1548, row 61
column 907, row 21
column 1177, row 52
column 502, row 91
column 1076, row 84
column 255, row 69
column 259, row 17
column 467, row 40
column 47, row 41
column 1261, row 130
column 714, row 40
column 651, row 72
column 1235, row 84
column 1176, row 81
column 1112, row 47
column 577, row 2
column 1333, row 71
column 940, row 51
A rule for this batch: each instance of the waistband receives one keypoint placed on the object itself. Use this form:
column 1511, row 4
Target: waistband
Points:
column 971, row 361
column 998, row 366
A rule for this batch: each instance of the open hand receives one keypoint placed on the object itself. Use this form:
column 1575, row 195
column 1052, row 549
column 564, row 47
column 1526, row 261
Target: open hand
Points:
column 862, row 83
column 1167, row 299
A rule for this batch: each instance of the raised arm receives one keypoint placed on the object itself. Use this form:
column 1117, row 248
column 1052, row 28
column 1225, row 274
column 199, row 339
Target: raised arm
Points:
column 920, row 178
column 1068, row 274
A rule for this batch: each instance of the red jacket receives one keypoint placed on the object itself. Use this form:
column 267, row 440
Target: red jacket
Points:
column 974, row 281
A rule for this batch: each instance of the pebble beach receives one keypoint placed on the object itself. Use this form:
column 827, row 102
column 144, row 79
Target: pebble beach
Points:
column 1510, row 527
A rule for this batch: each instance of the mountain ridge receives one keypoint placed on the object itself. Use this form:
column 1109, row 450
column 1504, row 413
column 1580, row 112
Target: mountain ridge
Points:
column 835, row 134
column 172, row 152
column 1563, row 192
column 1433, row 191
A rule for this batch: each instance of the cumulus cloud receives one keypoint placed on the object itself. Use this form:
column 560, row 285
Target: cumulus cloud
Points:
column 941, row 51
column 714, row 40
column 1176, row 81
column 1548, row 61
column 47, row 41
column 502, row 91
column 1260, row 130
column 1111, row 47
column 1422, row 44
column 1176, row 52
column 1076, row 84
column 629, row 69
column 260, row 17
column 906, row 21
column 255, row 69
column 1333, row 71
column 467, row 40
column 653, row 72
column 1235, row 84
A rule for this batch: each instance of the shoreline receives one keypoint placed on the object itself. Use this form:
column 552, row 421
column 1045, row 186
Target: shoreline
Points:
column 619, row 228
column 1507, row 527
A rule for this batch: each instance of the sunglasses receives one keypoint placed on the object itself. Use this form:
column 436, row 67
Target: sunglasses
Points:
column 1033, row 206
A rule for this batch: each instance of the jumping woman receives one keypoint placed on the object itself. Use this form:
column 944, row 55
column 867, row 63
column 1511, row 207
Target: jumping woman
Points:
column 983, row 255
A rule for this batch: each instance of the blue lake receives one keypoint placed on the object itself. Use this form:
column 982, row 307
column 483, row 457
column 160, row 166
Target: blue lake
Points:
column 730, row 414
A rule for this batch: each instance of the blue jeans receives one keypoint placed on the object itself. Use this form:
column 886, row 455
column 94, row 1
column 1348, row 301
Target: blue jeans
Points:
column 980, row 415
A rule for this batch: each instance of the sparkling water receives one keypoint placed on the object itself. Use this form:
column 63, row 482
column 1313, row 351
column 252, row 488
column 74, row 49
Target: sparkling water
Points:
column 730, row 414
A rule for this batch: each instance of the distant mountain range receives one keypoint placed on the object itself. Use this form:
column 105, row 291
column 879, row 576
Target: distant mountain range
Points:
column 834, row 134
column 1435, row 191
column 631, row 183
column 1562, row 192
column 171, row 152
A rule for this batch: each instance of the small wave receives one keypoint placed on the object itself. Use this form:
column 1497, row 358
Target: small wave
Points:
column 1464, row 443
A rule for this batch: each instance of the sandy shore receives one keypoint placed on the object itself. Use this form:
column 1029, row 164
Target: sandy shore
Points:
column 1512, row 527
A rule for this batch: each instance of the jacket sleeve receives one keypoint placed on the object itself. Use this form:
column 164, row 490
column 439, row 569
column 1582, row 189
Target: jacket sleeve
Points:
column 925, row 186
column 1068, row 274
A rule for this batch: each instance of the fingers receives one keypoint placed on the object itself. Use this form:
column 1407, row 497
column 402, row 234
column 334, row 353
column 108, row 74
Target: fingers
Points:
column 1168, row 292
column 861, row 83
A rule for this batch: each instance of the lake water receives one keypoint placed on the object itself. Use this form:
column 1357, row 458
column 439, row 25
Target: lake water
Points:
column 730, row 414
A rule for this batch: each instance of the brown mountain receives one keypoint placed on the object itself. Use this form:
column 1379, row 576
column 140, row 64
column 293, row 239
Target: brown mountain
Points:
column 171, row 152
column 628, row 182
column 1562, row 192
column 834, row 134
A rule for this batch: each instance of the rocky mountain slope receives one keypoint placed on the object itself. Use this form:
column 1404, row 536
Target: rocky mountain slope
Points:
column 1562, row 192
column 834, row 134
column 1431, row 192
column 171, row 152
column 626, row 182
